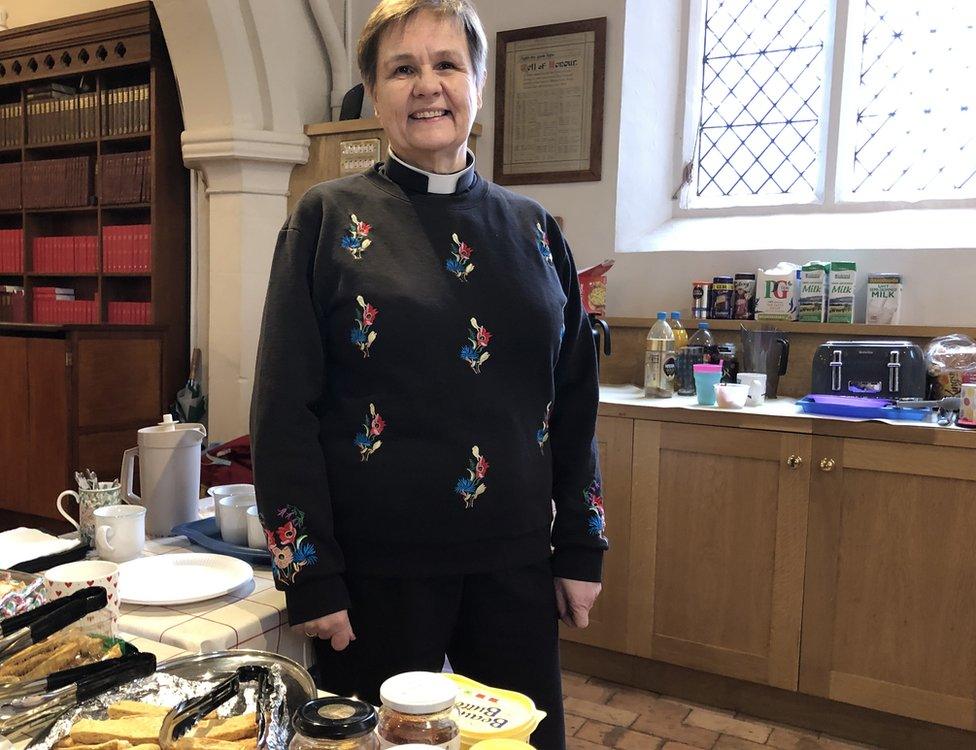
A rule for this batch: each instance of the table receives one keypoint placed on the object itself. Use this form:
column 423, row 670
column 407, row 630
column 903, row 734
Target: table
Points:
column 252, row 616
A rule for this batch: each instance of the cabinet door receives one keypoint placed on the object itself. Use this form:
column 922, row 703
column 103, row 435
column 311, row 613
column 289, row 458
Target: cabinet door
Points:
column 608, row 618
column 889, row 615
column 14, row 425
column 49, row 455
column 722, row 516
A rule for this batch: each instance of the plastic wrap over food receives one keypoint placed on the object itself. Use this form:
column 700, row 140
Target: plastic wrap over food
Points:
column 168, row 690
column 951, row 361
column 20, row 592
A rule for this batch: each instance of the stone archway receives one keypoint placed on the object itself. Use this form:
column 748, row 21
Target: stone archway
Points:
column 250, row 73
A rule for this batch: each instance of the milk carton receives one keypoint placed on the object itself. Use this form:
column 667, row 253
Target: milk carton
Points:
column 812, row 303
column 776, row 292
column 840, row 298
column 884, row 298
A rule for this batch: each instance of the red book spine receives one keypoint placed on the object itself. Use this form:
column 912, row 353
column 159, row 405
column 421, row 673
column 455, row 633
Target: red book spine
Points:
column 130, row 249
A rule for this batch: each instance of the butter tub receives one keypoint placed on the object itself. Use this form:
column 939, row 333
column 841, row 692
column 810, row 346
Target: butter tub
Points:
column 487, row 713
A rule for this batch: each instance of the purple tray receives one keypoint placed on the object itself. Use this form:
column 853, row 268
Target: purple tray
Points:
column 858, row 408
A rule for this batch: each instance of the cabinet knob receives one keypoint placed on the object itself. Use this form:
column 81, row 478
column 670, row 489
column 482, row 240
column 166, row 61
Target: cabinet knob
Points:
column 794, row 461
column 827, row 464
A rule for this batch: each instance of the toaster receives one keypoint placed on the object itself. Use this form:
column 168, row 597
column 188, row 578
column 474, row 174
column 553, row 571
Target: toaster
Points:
column 880, row 369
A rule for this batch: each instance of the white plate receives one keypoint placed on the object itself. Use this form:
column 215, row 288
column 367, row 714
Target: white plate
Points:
column 180, row 578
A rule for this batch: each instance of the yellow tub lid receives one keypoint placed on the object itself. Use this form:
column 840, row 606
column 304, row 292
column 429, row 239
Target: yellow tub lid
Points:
column 502, row 743
column 488, row 713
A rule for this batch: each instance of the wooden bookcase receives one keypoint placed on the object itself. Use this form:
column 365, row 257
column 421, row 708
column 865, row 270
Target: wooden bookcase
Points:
column 101, row 52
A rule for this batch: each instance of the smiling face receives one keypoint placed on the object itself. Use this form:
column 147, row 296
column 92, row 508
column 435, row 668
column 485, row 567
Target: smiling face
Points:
column 426, row 93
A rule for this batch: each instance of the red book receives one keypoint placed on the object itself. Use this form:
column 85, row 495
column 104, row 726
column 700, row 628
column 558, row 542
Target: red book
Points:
column 130, row 249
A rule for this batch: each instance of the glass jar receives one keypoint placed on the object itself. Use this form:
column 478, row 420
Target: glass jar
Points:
column 335, row 724
column 418, row 707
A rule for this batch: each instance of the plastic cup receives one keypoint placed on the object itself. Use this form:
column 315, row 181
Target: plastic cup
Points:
column 706, row 378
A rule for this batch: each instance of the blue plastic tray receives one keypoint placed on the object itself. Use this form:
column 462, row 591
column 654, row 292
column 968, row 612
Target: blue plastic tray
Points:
column 204, row 532
column 859, row 408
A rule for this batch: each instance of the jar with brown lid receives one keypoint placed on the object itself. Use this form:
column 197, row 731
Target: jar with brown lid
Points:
column 418, row 707
column 335, row 724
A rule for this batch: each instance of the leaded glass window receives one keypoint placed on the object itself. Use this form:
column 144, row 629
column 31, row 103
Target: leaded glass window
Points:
column 762, row 99
column 914, row 122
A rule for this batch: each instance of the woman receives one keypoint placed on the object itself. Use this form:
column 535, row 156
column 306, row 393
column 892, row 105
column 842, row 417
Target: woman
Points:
column 426, row 388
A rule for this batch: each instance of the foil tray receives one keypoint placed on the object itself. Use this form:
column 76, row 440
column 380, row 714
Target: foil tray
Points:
column 191, row 676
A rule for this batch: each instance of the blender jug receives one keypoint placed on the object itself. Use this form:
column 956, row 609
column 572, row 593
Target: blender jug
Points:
column 765, row 350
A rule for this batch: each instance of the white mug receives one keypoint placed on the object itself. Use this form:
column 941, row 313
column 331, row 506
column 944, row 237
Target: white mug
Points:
column 233, row 517
column 255, row 531
column 67, row 579
column 120, row 532
column 226, row 490
column 757, row 387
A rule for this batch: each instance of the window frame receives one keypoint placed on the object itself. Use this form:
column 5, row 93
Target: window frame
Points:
column 832, row 193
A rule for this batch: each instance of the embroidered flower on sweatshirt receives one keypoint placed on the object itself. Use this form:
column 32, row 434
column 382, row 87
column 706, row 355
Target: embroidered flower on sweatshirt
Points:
column 543, row 434
column 473, row 485
column 362, row 334
column 542, row 243
column 475, row 352
column 357, row 237
column 460, row 261
column 289, row 545
column 368, row 439
column 595, row 521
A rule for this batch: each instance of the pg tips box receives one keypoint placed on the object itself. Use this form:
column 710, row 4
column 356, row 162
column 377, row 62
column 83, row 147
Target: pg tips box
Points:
column 840, row 298
column 777, row 292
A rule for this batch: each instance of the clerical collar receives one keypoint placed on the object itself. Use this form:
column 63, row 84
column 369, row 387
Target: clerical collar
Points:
column 420, row 181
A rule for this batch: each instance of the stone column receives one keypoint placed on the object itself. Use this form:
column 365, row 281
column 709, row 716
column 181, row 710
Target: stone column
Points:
column 247, row 173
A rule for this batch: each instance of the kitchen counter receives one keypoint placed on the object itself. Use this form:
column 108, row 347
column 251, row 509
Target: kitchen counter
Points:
column 779, row 414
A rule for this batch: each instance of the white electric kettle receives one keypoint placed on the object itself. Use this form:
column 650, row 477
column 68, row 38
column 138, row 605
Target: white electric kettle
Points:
column 169, row 474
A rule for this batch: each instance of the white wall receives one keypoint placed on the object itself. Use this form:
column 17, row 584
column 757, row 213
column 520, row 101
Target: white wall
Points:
column 641, row 131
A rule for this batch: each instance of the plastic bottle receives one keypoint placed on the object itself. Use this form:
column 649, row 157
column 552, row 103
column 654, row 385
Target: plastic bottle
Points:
column 680, row 334
column 703, row 338
column 659, row 364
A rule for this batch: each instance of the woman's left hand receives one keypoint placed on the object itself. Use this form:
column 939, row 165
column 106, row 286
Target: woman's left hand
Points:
column 574, row 599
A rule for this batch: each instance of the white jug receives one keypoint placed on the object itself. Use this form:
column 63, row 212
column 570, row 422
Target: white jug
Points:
column 169, row 474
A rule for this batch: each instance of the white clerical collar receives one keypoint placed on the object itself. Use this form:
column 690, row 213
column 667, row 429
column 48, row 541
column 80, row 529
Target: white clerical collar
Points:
column 441, row 184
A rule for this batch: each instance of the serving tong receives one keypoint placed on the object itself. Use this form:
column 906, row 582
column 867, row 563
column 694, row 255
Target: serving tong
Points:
column 182, row 718
column 32, row 627
column 66, row 689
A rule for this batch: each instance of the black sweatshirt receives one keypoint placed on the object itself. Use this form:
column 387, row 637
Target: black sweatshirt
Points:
column 426, row 387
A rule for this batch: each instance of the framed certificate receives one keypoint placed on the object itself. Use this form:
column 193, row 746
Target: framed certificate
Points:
column 549, row 86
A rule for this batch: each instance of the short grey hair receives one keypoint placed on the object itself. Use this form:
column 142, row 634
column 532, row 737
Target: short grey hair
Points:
column 391, row 13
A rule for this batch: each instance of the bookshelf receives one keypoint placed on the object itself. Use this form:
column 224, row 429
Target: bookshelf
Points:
column 94, row 203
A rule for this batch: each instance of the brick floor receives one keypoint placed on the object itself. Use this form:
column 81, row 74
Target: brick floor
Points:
column 602, row 715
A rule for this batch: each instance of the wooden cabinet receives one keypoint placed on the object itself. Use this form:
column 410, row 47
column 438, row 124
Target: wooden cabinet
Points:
column 608, row 624
column 889, row 615
column 833, row 559
column 723, row 518
column 72, row 400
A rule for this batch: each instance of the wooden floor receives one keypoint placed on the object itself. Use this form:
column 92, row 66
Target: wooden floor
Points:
column 603, row 714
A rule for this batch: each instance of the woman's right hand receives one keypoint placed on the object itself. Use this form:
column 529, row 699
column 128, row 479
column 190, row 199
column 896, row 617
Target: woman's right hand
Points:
column 335, row 627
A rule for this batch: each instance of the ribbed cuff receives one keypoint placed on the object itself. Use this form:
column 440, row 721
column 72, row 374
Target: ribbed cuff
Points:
column 578, row 563
column 316, row 598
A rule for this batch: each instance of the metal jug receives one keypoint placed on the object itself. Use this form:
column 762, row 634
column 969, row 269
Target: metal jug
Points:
column 169, row 474
column 765, row 349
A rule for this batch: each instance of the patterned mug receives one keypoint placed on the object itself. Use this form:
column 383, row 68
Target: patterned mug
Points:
column 67, row 579
column 108, row 493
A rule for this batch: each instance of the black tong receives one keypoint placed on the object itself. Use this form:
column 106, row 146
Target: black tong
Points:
column 182, row 718
column 21, row 631
column 71, row 687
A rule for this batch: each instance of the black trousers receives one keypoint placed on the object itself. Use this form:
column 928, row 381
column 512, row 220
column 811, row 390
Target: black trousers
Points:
column 498, row 628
